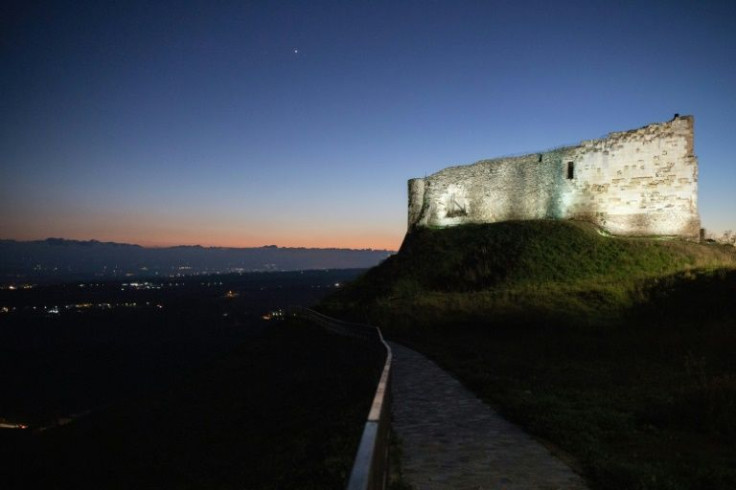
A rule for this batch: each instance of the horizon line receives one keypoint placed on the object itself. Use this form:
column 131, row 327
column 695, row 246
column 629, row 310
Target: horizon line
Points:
column 94, row 240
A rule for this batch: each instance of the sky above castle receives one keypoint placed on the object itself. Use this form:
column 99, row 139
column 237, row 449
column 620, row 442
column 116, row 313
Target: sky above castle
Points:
column 298, row 123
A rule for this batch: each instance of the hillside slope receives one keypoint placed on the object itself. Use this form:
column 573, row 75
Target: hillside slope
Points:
column 546, row 267
column 618, row 351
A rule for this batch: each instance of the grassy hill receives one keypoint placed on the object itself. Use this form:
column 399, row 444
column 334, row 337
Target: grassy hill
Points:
column 617, row 351
column 524, row 271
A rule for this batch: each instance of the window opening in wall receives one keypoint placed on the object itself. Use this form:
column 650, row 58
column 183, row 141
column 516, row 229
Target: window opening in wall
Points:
column 570, row 170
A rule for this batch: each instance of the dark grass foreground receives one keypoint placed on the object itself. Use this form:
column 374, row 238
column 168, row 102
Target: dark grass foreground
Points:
column 285, row 410
column 618, row 352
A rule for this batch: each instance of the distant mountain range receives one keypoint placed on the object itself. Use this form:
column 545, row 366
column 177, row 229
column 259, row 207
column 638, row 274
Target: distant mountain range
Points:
column 57, row 259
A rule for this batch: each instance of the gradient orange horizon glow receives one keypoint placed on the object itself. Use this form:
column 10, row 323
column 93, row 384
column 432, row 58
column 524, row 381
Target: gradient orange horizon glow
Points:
column 327, row 242
column 376, row 240
column 207, row 226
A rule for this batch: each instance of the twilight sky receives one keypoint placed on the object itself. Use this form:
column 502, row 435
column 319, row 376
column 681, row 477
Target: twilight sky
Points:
column 298, row 123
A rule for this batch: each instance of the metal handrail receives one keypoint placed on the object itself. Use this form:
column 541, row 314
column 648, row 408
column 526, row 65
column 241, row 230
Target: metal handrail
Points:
column 370, row 468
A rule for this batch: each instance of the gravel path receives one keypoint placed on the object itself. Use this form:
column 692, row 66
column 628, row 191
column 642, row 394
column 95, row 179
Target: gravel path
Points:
column 452, row 440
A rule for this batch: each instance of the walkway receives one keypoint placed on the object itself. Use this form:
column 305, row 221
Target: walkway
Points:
column 452, row 440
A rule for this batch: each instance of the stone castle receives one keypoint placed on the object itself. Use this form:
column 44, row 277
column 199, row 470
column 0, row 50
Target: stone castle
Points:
column 641, row 182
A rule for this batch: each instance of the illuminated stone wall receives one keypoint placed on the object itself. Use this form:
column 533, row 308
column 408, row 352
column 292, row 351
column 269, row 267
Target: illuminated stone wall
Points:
column 638, row 182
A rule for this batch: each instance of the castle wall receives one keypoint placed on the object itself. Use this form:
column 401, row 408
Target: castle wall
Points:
column 638, row 182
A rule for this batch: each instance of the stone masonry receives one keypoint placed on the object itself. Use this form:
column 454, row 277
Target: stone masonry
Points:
column 641, row 182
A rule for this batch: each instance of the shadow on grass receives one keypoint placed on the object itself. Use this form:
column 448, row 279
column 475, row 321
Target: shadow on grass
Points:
column 646, row 400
